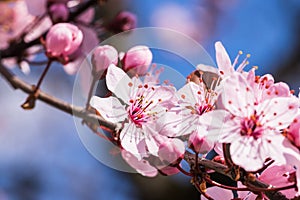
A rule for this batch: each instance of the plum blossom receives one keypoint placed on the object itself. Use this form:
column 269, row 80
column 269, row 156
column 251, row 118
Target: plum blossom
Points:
column 137, row 60
column 62, row 40
column 194, row 101
column 14, row 18
column 171, row 151
column 199, row 143
column 137, row 106
column 124, row 21
column 58, row 12
column 224, row 63
column 251, row 127
column 102, row 57
column 279, row 176
column 293, row 132
column 264, row 87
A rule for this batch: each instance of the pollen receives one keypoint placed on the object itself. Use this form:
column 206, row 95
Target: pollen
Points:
column 130, row 84
column 183, row 96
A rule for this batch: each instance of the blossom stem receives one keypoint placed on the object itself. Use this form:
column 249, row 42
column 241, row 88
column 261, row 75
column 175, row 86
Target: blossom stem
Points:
column 259, row 189
column 183, row 171
column 227, row 156
column 30, row 101
column 43, row 76
column 266, row 165
column 198, row 187
column 94, row 80
column 214, row 183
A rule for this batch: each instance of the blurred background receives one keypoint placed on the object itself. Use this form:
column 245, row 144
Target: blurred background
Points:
column 41, row 155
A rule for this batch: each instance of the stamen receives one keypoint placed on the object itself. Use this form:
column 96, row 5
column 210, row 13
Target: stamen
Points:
column 243, row 64
column 236, row 59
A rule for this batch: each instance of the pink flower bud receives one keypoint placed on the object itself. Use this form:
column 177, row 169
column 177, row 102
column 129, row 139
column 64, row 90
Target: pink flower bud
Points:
column 62, row 40
column 124, row 21
column 59, row 12
column 137, row 60
column 171, row 151
column 103, row 56
column 199, row 143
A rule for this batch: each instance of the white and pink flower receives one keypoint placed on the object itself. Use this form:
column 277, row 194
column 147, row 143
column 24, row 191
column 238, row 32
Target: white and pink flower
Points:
column 137, row 106
column 251, row 127
column 225, row 66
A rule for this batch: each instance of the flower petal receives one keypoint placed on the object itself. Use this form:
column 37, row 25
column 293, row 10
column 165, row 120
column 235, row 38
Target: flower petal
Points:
column 118, row 82
column 279, row 112
column 141, row 166
column 110, row 108
column 237, row 96
column 132, row 140
column 188, row 93
column 223, row 60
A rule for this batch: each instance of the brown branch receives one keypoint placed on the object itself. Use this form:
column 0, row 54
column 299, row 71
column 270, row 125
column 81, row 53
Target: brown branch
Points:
column 80, row 112
column 223, row 169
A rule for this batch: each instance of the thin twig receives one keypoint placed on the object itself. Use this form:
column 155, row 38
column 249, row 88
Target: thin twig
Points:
column 80, row 112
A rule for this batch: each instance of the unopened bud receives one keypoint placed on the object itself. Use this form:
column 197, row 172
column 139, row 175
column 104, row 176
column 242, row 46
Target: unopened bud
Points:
column 62, row 40
column 103, row 56
column 58, row 12
column 124, row 21
column 137, row 60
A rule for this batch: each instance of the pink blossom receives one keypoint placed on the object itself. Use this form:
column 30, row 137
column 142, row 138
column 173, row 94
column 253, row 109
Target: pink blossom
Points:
column 199, row 143
column 168, row 171
column 58, row 12
column 62, row 40
column 280, row 176
column 194, row 101
column 123, row 21
column 224, row 63
column 137, row 60
column 141, row 166
column 252, row 128
column 293, row 132
column 14, row 19
column 265, row 87
column 171, row 151
column 103, row 56
column 143, row 105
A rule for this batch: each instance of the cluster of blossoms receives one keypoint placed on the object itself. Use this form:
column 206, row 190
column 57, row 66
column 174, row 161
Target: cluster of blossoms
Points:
column 244, row 119
column 65, row 37
column 249, row 123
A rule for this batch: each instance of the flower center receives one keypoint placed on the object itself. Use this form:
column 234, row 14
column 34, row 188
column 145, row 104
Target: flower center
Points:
column 137, row 110
column 201, row 109
column 251, row 127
